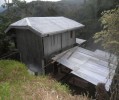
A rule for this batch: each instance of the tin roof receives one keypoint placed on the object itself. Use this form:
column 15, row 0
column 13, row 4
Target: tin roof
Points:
column 88, row 65
column 44, row 26
column 80, row 41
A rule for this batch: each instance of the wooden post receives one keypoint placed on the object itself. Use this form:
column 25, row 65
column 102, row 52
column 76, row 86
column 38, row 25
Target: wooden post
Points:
column 55, row 68
column 43, row 68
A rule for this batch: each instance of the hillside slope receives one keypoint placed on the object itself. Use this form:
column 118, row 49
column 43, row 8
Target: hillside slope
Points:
column 17, row 84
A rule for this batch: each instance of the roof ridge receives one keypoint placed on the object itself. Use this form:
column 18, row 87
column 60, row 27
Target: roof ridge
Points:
column 46, row 25
column 28, row 22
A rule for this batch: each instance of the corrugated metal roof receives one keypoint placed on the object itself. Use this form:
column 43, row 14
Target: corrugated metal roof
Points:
column 80, row 41
column 106, row 56
column 46, row 25
column 87, row 65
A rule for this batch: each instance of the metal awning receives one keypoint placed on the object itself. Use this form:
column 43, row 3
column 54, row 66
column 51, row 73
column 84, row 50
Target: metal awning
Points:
column 88, row 65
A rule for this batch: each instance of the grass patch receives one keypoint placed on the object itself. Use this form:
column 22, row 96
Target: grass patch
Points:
column 4, row 91
column 12, row 71
column 17, row 84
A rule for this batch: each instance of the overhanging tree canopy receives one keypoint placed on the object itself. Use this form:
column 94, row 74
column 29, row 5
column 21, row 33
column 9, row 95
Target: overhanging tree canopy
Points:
column 109, row 36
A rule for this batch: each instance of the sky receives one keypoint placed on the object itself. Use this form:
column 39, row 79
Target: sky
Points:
column 2, row 1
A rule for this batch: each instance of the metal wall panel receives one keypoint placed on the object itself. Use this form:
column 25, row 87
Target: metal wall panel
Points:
column 68, row 39
column 59, row 42
column 52, row 44
column 30, row 47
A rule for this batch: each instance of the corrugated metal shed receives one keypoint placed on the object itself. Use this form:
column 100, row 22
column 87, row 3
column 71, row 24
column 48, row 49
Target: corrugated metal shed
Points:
column 88, row 65
column 44, row 26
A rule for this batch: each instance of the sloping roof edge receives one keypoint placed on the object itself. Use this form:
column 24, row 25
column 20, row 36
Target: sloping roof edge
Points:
column 38, row 32
column 33, row 30
column 21, row 27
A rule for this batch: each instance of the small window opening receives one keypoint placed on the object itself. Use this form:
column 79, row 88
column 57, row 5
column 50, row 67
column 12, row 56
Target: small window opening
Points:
column 71, row 34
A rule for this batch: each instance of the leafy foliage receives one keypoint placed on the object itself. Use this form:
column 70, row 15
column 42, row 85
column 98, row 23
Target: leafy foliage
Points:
column 109, row 36
column 6, row 18
column 4, row 41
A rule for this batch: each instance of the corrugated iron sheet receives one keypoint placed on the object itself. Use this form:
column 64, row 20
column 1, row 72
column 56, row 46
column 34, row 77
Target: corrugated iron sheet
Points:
column 46, row 25
column 80, row 41
column 88, row 66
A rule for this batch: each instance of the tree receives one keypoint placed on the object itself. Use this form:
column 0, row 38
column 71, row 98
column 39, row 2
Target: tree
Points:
column 109, row 36
column 6, row 18
column 4, row 41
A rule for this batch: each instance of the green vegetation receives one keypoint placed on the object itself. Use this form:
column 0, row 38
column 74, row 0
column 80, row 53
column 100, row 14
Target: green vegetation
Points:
column 109, row 37
column 17, row 84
